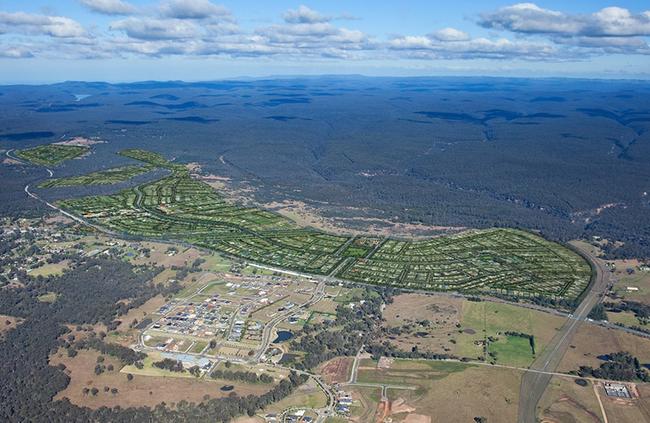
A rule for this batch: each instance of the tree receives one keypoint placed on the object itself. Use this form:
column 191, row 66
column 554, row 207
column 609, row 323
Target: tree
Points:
column 129, row 377
column 598, row 312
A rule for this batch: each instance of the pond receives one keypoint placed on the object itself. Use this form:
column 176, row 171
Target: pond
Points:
column 283, row 335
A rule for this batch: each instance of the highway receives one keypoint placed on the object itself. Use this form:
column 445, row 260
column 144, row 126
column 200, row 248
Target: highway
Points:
column 534, row 383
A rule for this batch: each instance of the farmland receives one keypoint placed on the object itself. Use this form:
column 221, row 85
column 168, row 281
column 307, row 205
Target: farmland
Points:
column 425, row 388
column 103, row 177
column 179, row 207
column 51, row 154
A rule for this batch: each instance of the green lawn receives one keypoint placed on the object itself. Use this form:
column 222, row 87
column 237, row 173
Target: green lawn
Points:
column 513, row 350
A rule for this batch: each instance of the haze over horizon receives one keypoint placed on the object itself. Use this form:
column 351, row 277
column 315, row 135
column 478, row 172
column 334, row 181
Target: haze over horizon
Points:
column 192, row 40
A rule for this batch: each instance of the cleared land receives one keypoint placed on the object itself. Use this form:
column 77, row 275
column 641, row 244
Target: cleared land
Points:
column 639, row 279
column 440, row 387
column 591, row 340
column 8, row 323
column 445, row 324
column 182, row 208
column 142, row 390
column 103, row 177
column 307, row 395
column 51, row 154
column 336, row 370
column 566, row 401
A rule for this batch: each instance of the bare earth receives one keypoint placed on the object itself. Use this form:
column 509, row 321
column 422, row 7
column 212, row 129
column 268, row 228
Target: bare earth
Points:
column 308, row 216
column 8, row 323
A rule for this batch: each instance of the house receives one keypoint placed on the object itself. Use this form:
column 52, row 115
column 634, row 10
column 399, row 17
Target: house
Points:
column 617, row 390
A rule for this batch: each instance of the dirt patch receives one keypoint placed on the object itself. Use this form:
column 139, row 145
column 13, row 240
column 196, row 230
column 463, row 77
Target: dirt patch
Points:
column 306, row 215
column 384, row 363
column 337, row 370
column 566, row 401
column 417, row 418
column 10, row 161
column 81, row 141
column 400, row 406
column 160, row 255
column 126, row 334
column 8, row 323
column 57, row 218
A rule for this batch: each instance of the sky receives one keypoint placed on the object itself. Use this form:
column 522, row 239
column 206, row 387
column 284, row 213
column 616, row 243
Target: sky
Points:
column 45, row 41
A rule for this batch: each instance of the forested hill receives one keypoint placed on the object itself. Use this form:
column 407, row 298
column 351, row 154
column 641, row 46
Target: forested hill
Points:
column 568, row 157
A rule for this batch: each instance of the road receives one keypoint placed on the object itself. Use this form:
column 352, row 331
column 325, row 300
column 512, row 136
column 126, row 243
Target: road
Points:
column 355, row 366
column 535, row 379
column 319, row 293
column 534, row 383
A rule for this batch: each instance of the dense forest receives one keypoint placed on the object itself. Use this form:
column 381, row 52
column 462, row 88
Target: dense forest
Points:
column 570, row 158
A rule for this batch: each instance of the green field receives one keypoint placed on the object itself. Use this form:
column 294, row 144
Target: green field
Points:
column 179, row 207
column 513, row 350
column 491, row 320
column 104, row 177
column 405, row 372
column 51, row 154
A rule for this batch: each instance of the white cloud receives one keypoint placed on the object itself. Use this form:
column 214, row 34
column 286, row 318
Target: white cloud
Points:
column 156, row 29
column 200, row 27
column 110, row 7
column 192, row 9
column 434, row 46
column 531, row 19
column 15, row 53
column 304, row 15
column 32, row 24
column 450, row 34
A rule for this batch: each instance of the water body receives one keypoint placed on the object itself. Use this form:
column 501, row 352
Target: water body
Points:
column 283, row 335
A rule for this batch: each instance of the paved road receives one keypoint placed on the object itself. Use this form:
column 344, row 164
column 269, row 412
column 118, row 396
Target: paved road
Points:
column 319, row 293
column 355, row 366
column 534, row 383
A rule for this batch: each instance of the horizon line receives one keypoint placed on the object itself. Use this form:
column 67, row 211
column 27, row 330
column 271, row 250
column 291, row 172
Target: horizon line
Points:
column 330, row 75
